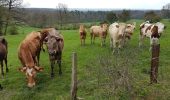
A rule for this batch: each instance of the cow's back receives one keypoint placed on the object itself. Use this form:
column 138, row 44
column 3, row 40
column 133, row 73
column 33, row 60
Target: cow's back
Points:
column 96, row 30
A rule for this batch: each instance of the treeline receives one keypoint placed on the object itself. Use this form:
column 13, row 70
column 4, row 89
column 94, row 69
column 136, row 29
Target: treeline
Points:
column 48, row 17
column 13, row 14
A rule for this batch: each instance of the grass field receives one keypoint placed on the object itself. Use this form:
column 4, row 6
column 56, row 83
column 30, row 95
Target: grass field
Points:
column 89, row 88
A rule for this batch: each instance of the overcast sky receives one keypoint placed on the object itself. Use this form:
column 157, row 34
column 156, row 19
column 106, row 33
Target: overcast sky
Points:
column 113, row 4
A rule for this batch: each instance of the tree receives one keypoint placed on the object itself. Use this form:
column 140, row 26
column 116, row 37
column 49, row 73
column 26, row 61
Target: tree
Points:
column 124, row 16
column 11, row 6
column 152, row 17
column 166, row 11
column 62, row 13
column 111, row 17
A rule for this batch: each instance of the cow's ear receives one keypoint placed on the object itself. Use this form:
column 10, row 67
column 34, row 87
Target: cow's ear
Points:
column 117, row 26
column 38, row 69
column 22, row 69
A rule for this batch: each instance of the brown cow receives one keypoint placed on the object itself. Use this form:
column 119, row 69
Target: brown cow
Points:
column 151, row 31
column 3, row 54
column 55, row 44
column 99, row 31
column 27, row 53
column 83, row 33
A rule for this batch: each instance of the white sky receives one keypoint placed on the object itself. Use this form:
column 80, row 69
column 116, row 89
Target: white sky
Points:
column 113, row 4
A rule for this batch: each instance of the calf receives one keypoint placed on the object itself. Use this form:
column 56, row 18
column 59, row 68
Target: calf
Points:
column 27, row 53
column 83, row 33
column 55, row 43
column 99, row 31
column 3, row 54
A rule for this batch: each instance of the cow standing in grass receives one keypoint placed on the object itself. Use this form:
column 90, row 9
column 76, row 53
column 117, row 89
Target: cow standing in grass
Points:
column 119, row 32
column 152, row 31
column 27, row 53
column 55, row 44
column 83, row 33
column 3, row 54
column 99, row 31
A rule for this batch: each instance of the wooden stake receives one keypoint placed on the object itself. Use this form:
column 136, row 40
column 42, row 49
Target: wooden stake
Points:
column 154, row 63
column 74, row 77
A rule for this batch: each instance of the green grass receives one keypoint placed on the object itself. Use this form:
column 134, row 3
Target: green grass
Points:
column 58, row 88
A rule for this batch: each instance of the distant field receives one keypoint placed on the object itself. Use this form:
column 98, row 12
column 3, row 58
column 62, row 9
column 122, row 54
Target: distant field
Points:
column 58, row 88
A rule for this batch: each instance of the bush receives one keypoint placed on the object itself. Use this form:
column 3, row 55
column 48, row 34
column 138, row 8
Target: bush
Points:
column 13, row 30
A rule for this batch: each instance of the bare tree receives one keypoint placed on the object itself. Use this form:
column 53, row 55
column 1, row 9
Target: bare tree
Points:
column 11, row 9
column 62, row 13
column 166, row 11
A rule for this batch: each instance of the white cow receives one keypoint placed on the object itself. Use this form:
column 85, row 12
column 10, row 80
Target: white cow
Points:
column 118, row 34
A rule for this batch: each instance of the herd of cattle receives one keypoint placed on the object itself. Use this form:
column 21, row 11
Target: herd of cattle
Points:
column 120, row 33
column 29, row 49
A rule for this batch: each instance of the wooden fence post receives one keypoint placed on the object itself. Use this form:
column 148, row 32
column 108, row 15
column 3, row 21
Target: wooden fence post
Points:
column 74, row 77
column 154, row 63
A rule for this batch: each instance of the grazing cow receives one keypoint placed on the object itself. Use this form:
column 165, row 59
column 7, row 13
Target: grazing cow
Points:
column 55, row 43
column 27, row 53
column 99, row 31
column 151, row 31
column 83, row 33
column 3, row 54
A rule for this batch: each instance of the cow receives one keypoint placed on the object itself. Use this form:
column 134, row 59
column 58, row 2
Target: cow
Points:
column 27, row 53
column 161, row 27
column 129, row 30
column 55, row 44
column 3, row 54
column 117, row 35
column 83, row 33
column 99, row 31
column 152, row 31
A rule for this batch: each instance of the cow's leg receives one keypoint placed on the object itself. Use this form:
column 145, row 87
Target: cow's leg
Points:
column 141, row 37
column 2, row 70
column 38, row 58
column 114, row 46
column 6, row 62
column 52, row 68
column 81, row 41
column 101, row 41
column 91, row 38
column 59, row 63
column 111, row 43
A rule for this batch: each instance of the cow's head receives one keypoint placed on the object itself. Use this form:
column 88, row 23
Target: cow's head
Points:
column 31, row 74
column 104, row 26
column 54, row 44
column 130, row 27
column 3, row 41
